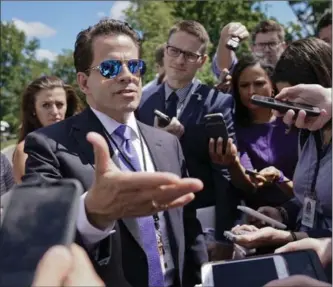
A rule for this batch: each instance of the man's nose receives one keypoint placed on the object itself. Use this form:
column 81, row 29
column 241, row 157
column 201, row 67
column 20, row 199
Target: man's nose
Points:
column 125, row 75
column 180, row 60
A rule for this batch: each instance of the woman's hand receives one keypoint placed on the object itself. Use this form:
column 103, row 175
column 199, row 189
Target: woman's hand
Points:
column 216, row 152
column 263, row 237
column 271, row 174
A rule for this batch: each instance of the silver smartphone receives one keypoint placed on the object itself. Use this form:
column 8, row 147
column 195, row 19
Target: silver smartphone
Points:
column 272, row 222
column 254, row 272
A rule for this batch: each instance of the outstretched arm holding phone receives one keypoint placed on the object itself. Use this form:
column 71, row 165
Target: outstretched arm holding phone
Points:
column 314, row 95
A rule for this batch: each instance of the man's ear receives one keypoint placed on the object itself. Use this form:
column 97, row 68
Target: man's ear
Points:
column 203, row 60
column 82, row 80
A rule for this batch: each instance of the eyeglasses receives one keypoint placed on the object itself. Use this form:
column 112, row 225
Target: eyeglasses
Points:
column 269, row 45
column 112, row 68
column 189, row 56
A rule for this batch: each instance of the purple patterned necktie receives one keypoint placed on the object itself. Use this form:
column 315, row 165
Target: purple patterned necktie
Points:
column 146, row 224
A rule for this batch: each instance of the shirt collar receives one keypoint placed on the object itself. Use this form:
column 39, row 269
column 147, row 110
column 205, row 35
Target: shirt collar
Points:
column 111, row 125
column 181, row 93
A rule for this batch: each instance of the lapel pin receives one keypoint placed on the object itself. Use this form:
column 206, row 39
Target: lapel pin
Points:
column 199, row 97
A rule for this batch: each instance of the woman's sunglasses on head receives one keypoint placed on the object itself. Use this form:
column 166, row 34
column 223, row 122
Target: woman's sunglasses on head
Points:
column 112, row 68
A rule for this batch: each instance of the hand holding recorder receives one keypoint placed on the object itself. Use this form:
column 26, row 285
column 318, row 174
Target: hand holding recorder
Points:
column 314, row 95
column 164, row 122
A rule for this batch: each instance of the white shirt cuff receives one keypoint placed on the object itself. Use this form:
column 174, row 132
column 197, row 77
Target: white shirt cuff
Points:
column 90, row 234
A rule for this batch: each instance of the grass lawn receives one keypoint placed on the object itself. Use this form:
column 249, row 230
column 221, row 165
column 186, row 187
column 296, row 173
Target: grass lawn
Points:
column 7, row 143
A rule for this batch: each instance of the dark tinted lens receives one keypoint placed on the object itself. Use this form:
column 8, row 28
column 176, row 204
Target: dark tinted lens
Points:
column 136, row 66
column 110, row 69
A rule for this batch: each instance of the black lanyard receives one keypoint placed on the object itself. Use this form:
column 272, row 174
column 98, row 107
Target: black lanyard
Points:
column 320, row 155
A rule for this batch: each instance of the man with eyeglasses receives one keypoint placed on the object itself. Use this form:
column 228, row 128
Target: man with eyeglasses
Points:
column 268, row 43
column 131, row 219
column 185, row 100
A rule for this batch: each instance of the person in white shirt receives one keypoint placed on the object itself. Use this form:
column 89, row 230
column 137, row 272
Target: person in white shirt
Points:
column 130, row 221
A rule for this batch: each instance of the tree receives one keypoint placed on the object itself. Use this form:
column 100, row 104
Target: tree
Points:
column 308, row 13
column 63, row 67
column 215, row 14
column 18, row 67
column 153, row 19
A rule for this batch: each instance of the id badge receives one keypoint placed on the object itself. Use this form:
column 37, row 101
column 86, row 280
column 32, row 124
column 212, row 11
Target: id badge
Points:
column 309, row 212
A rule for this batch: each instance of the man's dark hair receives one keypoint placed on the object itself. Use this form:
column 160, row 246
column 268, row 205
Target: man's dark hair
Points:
column 266, row 26
column 159, row 54
column 324, row 21
column 83, row 52
column 306, row 61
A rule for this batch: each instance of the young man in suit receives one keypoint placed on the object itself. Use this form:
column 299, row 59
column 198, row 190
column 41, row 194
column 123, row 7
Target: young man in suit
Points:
column 131, row 223
column 186, row 101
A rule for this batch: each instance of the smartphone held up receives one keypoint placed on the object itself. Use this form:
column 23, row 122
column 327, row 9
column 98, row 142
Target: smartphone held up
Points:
column 37, row 217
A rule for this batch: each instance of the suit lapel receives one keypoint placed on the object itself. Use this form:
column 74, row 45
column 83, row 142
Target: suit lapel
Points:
column 192, row 111
column 173, row 216
column 88, row 122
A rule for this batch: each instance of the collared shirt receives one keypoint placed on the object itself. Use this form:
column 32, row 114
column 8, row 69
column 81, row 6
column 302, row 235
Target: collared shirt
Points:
column 181, row 93
column 92, row 235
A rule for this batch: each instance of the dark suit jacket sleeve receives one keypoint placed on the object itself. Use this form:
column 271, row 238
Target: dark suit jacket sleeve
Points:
column 195, row 248
column 42, row 163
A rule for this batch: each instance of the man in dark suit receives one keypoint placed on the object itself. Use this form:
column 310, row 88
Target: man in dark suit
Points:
column 131, row 223
column 184, row 99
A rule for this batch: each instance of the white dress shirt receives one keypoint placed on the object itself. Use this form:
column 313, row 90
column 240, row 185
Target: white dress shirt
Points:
column 92, row 235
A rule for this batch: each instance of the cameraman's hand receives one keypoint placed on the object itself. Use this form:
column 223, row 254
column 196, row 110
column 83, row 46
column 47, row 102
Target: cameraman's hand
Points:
column 174, row 127
column 297, row 281
column 313, row 95
column 61, row 266
column 322, row 246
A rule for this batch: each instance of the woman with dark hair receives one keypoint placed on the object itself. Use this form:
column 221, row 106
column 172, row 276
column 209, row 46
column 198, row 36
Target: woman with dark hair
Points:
column 306, row 61
column 45, row 101
column 262, row 142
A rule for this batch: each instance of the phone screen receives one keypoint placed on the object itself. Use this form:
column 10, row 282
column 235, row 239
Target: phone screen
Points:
column 35, row 219
column 254, row 273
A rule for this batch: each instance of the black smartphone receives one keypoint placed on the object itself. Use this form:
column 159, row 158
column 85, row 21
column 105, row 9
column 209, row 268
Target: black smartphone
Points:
column 163, row 119
column 284, row 106
column 37, row 217
column 215, row 127
column 233, row 43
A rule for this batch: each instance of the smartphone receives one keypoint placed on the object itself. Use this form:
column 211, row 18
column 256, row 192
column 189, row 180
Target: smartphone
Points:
column 163, row 119
column 284, row 106
column 215, row 127
column 254, row 272
column 233, row 43
column 274, row 223
column 251, row 172
column 37, row 217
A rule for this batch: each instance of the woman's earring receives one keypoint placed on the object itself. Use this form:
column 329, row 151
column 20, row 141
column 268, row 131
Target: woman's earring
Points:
column 34, row 114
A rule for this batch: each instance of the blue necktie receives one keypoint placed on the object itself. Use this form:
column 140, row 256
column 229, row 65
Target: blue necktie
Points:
column 171, row 105
column 146, row 224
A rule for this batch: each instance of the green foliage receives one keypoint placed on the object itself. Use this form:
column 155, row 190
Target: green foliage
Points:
column 154, row 19
column 308, row 13
column 18, row 67
column 63, row 67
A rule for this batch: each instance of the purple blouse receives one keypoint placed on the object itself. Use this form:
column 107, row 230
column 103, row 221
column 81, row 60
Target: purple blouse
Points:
column 264, row 145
